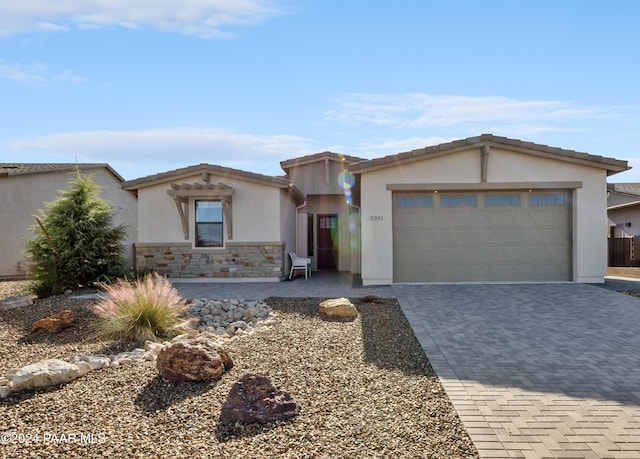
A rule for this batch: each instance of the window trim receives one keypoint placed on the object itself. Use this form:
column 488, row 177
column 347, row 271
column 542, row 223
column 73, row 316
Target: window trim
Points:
column 183, row 194
column 197, row 223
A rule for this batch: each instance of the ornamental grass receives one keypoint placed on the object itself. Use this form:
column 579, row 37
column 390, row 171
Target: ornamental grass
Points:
column 146, row 309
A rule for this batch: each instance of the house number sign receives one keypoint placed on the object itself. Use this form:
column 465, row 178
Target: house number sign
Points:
column 376, row 218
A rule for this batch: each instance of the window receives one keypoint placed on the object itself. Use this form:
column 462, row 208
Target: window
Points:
column 209, row 224
column 417, row 201
column 546, row 200
column 328, row 222
column 458, row 201
column 502, row 200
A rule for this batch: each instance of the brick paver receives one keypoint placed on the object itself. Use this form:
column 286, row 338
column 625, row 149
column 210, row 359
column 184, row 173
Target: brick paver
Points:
column 534, row 370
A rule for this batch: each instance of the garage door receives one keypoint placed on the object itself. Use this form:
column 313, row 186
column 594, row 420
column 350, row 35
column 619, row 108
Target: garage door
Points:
column 482, row 236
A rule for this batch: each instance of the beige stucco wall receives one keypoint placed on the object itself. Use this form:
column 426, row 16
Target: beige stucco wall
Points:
column 287, row 225
column 22, row 196
column 622, row 217
column 318, row 178
column 589, row 203
column 255, row 212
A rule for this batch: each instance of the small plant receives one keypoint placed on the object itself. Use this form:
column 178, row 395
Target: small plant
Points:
column 145, row 309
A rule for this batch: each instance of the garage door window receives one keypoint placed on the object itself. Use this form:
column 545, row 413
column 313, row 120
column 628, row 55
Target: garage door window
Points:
column 502, row 200
column 415, row 201
column 546, row 200
column 458, row 201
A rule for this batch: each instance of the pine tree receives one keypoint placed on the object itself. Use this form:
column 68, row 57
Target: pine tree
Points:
column 76, row 241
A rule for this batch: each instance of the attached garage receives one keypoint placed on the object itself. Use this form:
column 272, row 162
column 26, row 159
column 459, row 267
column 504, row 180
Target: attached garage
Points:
column 484, row 209
column 482, row 236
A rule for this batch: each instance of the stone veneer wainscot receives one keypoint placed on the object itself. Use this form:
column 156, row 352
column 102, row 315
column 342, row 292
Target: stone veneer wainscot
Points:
column 178, row 260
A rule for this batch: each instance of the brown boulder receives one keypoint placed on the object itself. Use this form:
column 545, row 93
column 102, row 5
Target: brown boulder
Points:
column 193, row 360
column 55, row 323
column 340, row 308
column 254, row 398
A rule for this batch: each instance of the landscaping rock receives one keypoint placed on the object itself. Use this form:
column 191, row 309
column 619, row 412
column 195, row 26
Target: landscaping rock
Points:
column 5, row 391
column 95, row 361
column 55, row 323
column 13, row 302
column 338, row 308
column 254, row 398
column 43, row 374
column 198, row 359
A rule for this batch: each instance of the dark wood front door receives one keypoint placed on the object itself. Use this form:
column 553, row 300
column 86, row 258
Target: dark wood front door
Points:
column 328, row 241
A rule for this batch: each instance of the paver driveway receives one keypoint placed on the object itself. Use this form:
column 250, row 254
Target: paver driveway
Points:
column 535, row 370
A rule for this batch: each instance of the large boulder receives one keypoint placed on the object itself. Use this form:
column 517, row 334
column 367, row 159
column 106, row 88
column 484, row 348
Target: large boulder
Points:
column 197, row 359
column 340, row 308
column 13, row 302
column 43, row 374
column 55, row 323
column 254, row 399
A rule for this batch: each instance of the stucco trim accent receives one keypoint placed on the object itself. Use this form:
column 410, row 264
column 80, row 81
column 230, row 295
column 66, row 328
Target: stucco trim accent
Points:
column 484, row 162
column 481, row 186
column 182, row 204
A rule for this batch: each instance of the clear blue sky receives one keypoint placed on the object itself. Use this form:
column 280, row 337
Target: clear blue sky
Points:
column 152, row 85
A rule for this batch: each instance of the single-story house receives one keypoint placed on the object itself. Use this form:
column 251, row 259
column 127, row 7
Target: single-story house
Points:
column 623, row 211
column 26, row 187
column 485, row 208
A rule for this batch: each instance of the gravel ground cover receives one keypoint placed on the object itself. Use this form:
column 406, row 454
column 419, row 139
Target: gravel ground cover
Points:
column 364, row 387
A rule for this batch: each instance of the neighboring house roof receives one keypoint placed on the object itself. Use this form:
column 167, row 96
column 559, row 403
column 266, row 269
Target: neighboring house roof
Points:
column 625, row 188
column 205, row 168
column 289, row 163
column 610, row 164
column 7, row 169
column 624, row 206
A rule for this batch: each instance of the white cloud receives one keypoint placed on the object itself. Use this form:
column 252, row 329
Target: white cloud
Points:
column 445, row 111
column 204, row 18
column 21, row 74
column 166, row 149
column 36, row 74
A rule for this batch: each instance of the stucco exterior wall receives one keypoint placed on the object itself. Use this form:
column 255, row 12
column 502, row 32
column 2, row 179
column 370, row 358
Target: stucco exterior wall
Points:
column 22, row 196
column 263, row 229
column 255, row 212
column 626, row 220
column 589, row 203
column 287, row 226
column 318, row 178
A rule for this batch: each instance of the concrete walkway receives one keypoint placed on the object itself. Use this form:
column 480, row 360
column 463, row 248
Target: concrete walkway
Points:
column 533, row 370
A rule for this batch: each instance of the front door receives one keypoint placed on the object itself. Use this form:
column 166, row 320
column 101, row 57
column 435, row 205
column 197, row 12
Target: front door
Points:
column 328, row 241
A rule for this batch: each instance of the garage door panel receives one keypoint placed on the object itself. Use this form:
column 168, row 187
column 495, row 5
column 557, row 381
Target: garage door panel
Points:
column 530, row 241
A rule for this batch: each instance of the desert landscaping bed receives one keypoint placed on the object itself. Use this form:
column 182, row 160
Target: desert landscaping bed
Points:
column 364, row 388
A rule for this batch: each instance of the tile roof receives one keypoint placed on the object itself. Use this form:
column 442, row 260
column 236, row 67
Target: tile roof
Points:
column 177, row 174
column 611, row 164
column 626, row 188
column 7, row 169
column 287, row 164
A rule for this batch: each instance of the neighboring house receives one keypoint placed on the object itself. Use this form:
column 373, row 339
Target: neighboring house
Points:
column 623, row 211
column 26, row 187
column 485, row 208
